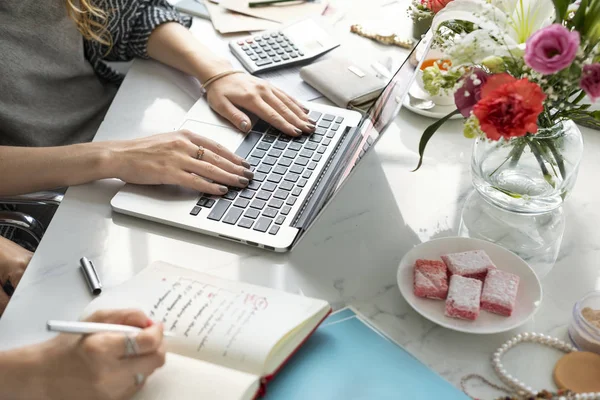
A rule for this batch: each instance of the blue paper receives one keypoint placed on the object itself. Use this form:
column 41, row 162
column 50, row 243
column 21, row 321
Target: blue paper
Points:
column 346, row 359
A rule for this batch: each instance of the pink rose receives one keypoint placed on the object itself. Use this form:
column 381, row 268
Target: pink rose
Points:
column 590, row 81
column 436, row 5
column 551, row 49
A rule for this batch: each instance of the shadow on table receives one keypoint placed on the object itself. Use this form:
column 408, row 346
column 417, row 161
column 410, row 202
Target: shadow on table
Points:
column 358, row 242
column 351, row 252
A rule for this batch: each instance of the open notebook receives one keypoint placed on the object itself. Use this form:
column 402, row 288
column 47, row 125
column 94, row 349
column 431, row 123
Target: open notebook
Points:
column 232, row 337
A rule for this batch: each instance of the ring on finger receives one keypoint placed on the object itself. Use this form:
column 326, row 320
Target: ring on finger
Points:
column 131, row 346
column 200, row 153
column 139, row 379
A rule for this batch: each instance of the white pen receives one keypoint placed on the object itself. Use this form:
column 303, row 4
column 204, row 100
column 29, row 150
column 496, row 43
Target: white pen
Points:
column 83, row 328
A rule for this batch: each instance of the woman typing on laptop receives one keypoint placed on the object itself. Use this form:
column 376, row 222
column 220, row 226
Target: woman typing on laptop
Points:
column 56, row 89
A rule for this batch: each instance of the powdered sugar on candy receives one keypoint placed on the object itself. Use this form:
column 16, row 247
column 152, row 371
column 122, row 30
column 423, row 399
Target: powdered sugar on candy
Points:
column 464, row 297
column 431, row 279
column 500, row 292
column 470, row 264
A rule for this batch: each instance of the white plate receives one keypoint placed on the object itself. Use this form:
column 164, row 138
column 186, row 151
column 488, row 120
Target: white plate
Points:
column 436, row 112
column 529, row 296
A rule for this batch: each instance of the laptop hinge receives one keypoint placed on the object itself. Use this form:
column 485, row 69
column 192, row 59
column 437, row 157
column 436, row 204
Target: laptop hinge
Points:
column 327, row 180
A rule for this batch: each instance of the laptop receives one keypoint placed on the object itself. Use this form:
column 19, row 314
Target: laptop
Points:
column 295, row 178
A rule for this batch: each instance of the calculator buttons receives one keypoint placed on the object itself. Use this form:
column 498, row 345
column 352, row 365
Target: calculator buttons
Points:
column 268, row 49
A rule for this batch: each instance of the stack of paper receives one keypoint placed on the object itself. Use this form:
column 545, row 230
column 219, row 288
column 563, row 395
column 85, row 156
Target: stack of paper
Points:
column 278, row 13
column 225, row 21
column 229, row 16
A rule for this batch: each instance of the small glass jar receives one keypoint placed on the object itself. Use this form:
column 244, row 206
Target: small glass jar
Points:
column 584, row 335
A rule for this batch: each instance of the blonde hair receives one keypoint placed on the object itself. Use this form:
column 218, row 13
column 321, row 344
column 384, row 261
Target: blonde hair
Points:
column 91, row 21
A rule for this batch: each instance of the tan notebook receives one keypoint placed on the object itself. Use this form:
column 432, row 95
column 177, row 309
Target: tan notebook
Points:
column 232, row 337
column 346, row 83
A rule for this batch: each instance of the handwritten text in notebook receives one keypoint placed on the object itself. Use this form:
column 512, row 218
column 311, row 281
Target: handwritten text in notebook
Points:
column 205, row 313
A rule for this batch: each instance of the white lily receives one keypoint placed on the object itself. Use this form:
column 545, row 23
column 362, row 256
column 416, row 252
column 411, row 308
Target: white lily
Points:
column 504, row 27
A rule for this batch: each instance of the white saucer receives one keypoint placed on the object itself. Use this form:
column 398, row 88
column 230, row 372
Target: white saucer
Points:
column 437, row 112
column 529, row 297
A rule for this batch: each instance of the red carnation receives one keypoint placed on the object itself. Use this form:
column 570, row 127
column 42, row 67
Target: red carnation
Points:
column 437, row 5
column 509, row 107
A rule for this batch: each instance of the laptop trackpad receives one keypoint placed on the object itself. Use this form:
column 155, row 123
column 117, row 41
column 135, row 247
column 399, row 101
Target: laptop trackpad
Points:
column 228, row 137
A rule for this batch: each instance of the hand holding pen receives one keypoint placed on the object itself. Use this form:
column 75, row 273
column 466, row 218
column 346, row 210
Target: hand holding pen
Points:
column 106, row 365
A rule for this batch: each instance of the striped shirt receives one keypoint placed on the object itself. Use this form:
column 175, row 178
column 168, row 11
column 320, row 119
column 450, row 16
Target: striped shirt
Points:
column 130, row 23
column 51, row 96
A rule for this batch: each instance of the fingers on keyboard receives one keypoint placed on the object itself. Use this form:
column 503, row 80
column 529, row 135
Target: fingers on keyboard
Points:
column 273, row 117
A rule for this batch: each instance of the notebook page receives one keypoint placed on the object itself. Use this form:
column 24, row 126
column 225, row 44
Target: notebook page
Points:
column 232, row 324
column 184, row 378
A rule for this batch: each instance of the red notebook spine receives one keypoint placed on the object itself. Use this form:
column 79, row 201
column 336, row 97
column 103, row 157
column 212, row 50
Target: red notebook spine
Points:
column 262, row 390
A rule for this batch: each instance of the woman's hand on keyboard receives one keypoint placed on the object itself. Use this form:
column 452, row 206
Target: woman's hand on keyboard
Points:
column 173, row 159
column 230, row 94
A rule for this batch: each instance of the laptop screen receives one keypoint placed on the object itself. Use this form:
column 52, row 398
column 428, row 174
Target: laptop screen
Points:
column 383, row 111
column 360, row 141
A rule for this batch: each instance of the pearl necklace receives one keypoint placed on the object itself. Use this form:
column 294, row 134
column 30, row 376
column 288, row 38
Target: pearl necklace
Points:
column 522, row 389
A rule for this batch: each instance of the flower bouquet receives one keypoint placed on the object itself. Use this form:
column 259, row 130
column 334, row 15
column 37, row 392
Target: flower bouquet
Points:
column 519, row 71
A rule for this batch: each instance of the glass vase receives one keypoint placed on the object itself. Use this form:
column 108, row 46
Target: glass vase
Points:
column 532, row 174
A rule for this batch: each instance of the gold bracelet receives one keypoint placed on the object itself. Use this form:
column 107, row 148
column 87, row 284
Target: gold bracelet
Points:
column 219, row 76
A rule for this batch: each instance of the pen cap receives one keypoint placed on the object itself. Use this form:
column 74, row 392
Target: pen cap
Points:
column 91, row 276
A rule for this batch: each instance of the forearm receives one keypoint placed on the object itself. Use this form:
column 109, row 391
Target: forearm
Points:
column 27, row 170
column 21, row 374
column 174, row 45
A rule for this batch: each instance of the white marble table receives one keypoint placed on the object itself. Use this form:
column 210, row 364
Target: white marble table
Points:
column 349, row 258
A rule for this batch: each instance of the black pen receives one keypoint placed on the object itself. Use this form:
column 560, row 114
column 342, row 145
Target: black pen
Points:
column 265, row 3
column 91, row 276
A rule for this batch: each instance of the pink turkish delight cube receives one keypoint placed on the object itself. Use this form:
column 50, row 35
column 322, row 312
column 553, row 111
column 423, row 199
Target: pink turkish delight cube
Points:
column 500, row 292
column 470, row 264
column 464, row 297
column 431, row 279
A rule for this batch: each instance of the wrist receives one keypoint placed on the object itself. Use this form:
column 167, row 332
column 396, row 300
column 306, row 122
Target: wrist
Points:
column 110, row 159
column 211, row 69
column 92, row 161
column 22, row 372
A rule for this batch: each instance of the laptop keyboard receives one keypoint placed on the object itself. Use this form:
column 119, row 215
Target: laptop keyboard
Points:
column 282, row 166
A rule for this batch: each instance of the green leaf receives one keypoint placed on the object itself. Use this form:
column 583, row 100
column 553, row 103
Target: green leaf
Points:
column 561, row 7
column 592, row 20
column 507, row 192
column 579, row 18
column 428, row 133
column 595, row 115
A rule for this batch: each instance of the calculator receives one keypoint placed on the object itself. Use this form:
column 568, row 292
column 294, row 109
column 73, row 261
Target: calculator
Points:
column 293, row 44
